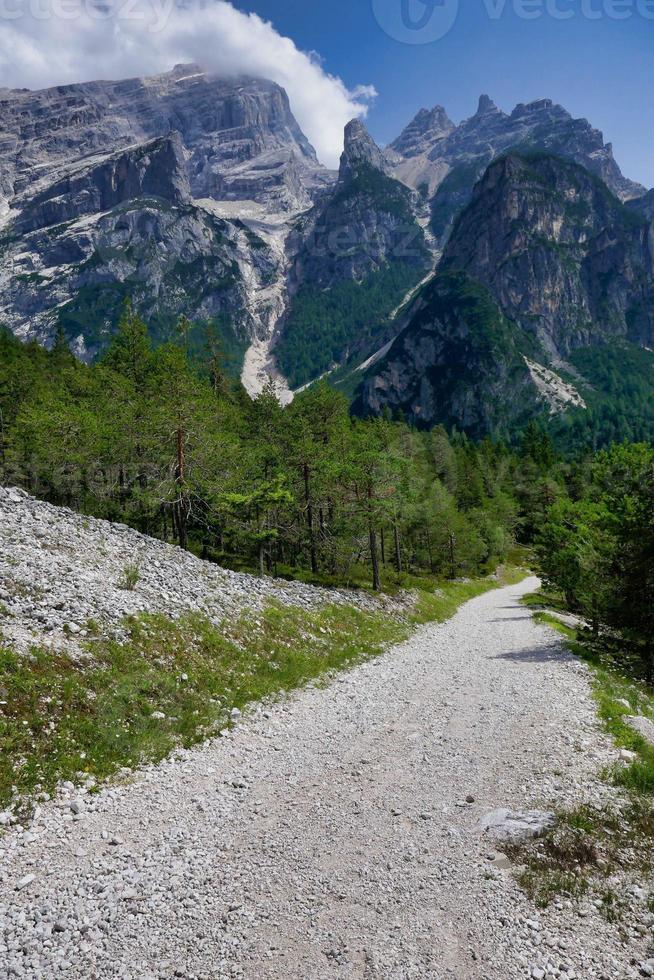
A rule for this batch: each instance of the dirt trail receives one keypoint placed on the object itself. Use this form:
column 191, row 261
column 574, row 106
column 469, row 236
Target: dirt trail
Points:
column 329, row 835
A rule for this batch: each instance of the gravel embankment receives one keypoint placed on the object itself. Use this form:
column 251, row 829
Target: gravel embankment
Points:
column 60, row 570
column 329, row 836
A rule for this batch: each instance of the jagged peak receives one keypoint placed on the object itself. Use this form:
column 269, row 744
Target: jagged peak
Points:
column 427, row 126
column 485, row 106
column 538, row 105
column 434, row 118
column 360, row 147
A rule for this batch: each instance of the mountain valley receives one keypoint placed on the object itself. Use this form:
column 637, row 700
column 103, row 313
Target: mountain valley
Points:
column 200, row 198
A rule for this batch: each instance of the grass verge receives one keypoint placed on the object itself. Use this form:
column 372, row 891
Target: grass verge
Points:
column 618, row 696
column 174, row 683
column 590, row 845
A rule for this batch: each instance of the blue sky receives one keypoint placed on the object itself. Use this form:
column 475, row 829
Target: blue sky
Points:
column 601, row 68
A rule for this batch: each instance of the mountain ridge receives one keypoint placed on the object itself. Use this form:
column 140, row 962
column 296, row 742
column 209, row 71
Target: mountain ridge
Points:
column 199, row 196
column 543, row 262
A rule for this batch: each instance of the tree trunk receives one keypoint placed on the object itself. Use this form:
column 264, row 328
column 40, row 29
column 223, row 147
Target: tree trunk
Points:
column 181, row 460
column 372, row 537
column 262, row 560
column 309, row 505
column 452, row 556
column 383, row 546
column 182, row 503
column 398, row 551
column 374, row 558
column 182, row 523
column 429, row 552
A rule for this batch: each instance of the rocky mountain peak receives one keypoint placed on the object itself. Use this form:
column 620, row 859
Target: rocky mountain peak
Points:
column 538, row 105
column 186, row 70
column 225, row 125
column 485, row 106
column 564, row 258
column 360, row 148
column 426, row 128
column 446, row 169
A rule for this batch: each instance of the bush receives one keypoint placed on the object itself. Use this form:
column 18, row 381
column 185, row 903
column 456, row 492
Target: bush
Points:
column 130, row 578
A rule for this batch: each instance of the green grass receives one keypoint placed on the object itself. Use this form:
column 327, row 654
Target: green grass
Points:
column 612, row 687
column 589, row 844
column 618, row 694
column 66, row 719
column 544, row 600
column 174, row 683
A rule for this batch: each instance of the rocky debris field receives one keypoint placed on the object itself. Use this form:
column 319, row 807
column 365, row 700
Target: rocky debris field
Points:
column 61, row 573
column 338, row 833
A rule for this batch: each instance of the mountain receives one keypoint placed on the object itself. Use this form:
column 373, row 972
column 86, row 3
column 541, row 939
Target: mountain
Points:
column 444, row 161
column 544, row 264
column 357, row 254
column 643, row 205
column 241, row 137
column 349, row 286
column 175, row 191
column 474, row 274
column 563, row 257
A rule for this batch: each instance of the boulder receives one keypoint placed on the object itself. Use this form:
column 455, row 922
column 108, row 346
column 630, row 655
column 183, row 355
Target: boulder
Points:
column 505, row 824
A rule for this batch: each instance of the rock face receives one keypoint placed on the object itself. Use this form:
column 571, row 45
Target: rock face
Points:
column 366, row 222
column 447, row 160
column 175, row 191
column 423, row 133
column 561, row 255
column 545, row 260
column 357, row 254
column 152, row 170
column 169, row 258
column 360, row 150
column 643, row 205
column 457, row 361
column 235, row 131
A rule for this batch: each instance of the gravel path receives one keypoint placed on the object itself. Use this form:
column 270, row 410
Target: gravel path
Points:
column 329, row 836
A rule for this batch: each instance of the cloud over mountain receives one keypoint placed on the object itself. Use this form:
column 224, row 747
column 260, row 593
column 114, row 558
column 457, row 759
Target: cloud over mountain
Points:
column 52, row 42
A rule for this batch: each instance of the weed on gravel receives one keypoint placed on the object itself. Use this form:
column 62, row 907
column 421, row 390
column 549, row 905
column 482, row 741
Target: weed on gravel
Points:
column 586, row 849
column 618, row 695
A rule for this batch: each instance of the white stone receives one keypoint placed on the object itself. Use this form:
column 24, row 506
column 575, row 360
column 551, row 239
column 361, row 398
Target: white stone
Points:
column 505, row 824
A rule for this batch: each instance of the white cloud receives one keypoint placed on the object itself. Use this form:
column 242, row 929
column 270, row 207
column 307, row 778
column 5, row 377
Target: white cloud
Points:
column 52, row 42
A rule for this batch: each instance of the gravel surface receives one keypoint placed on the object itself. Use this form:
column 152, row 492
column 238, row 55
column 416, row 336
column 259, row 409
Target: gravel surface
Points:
column 333, row 834
column 60, row 570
